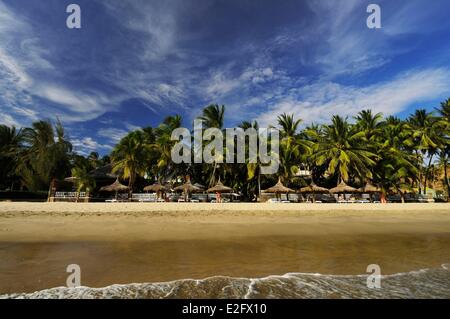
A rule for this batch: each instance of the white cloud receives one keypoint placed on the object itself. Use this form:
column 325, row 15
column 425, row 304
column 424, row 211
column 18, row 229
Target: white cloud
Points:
column 317, row 102
column 88, row 144
column 155, row 20
column 112, row 134
column 18, row 87
column 8, row 120
column 81, row 106
column 132, row 127
column 15, row 72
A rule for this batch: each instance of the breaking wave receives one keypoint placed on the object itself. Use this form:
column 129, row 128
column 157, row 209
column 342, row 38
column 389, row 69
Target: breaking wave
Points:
column 425, row 283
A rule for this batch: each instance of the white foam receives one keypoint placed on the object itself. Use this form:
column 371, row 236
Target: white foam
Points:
column 435, row 282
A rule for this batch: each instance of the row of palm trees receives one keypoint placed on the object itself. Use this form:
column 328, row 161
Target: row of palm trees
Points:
column 396, row 155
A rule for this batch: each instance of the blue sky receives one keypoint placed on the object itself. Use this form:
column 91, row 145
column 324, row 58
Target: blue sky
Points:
column 135, row 62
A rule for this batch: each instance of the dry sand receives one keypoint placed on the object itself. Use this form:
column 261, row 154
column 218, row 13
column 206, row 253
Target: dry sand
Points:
column 165, row 221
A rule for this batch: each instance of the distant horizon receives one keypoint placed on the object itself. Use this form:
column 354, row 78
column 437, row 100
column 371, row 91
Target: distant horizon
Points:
column 135, row 62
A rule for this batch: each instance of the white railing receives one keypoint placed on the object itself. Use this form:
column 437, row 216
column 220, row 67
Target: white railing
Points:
column 144, row 197
column 70, row 195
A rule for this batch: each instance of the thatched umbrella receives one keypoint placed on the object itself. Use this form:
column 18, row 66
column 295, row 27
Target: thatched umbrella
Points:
column 343, row 188
column 314, row 189
column 115, row 187
column 220, row 188
column 187, row 188
column 370, row 189
column 278, row 189
column 156, row 188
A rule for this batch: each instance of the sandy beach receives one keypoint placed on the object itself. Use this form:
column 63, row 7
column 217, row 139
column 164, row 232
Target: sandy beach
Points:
column 134, row 242
column 165, row 221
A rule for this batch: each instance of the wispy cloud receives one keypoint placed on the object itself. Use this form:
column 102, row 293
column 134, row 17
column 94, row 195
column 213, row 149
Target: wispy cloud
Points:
column 112, row 134
column 86, row 145
column 314, row 58
column 22, row 89
column 318, row 101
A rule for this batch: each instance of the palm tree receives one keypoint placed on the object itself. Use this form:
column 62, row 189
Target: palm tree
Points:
column 292, row 146
column 213, row 116
column 129, row 156
column 10, row 148
column 426, row 139
column 443, row 166
column 83, row 181
column 94, row 159
column 444, row 152
column 46, row 155
column 162, row 145
column 444, row 110
column 369, row 123
column 253, row 169
column 289, row 126
column 395, row 170
column 342, row 149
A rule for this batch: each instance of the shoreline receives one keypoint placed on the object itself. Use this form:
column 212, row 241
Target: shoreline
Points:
column 125, row 243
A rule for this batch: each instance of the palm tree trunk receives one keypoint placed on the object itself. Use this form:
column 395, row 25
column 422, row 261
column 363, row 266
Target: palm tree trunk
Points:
column 383, row 198
column 402, row 196
column 259, row 183
column 426, row 175
column 130, row 185
column 420, row 171
column 50, row 190
column 213, row 175
column 446, row 179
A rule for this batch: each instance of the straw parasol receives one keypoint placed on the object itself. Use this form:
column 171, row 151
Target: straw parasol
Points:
column 279, row 188
column 219, row 188
column 187, row 188
column 314, row 189
column 370, row 189
column 343, row 188
column 115, row 187
column 157, row 187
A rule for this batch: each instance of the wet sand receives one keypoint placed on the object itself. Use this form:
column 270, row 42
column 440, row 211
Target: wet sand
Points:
column 126, row 243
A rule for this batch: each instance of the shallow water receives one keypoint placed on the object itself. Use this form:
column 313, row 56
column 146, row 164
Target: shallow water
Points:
column 411, row 265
